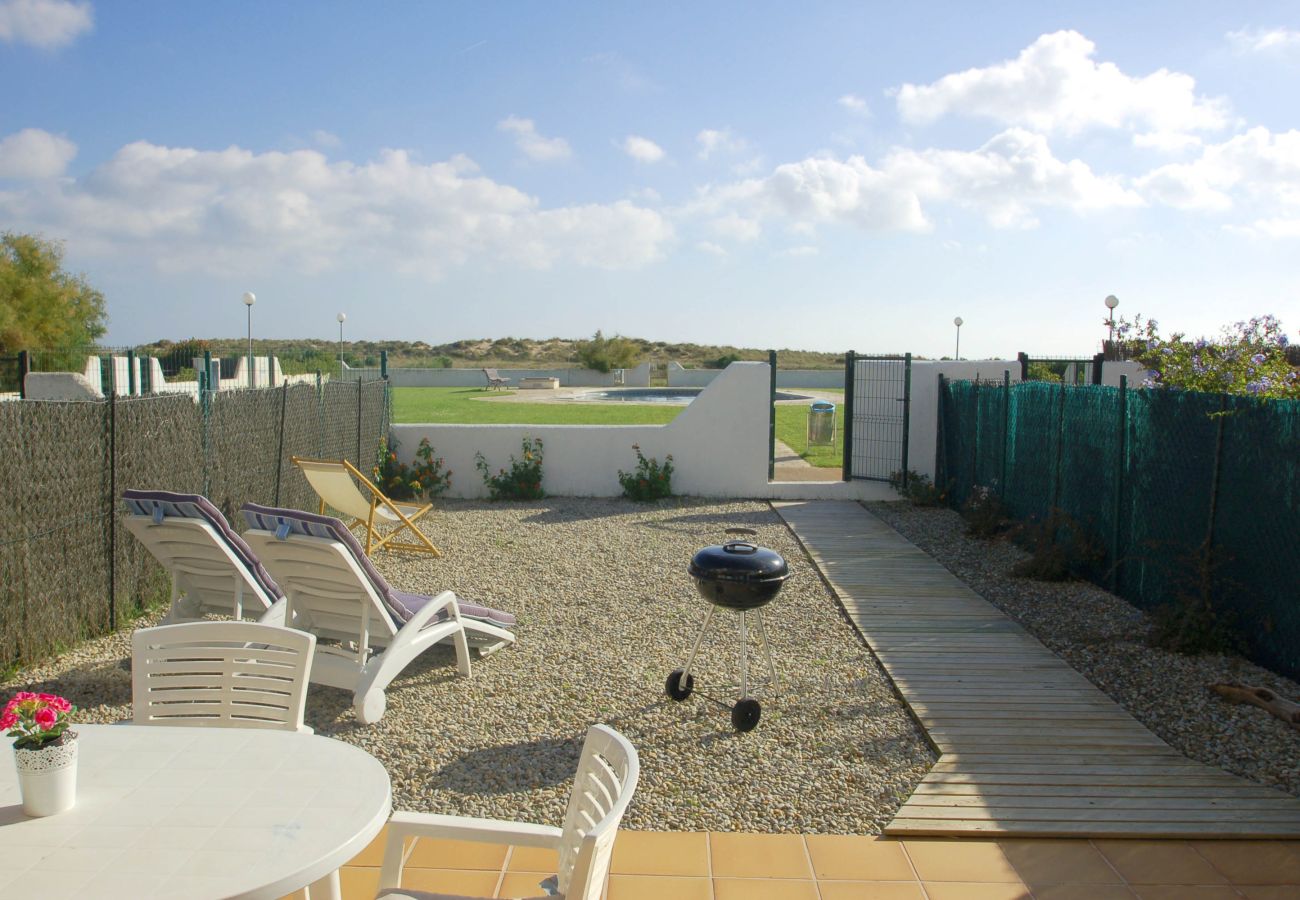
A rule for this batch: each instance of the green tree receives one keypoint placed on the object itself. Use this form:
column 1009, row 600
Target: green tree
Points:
column 42, row 306
column 602, row 353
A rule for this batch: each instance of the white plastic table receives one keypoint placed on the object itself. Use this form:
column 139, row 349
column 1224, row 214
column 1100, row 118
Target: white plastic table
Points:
column 196, row 813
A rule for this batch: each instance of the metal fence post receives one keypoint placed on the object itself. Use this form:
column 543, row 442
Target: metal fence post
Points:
column 320, row 415
column 1006, row 431
column 131, row 386
column 849, row 365
column 279, row 453
column 383, row 364
column 1218, row 465
column 1121, row 466
column 359, row 460
column 907, row 411
column 112, row 519
column 941, row 438
column 1098, row 362
column 771, row 415
column 24, row 367
column 1024, row 365
column 1060, row 447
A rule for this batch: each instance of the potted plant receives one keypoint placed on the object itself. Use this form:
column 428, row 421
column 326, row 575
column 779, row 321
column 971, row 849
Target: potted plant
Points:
column 45, row 752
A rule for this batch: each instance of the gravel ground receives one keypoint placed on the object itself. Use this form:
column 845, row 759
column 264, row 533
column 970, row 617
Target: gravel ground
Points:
column 606, row 612
column 1102, row 636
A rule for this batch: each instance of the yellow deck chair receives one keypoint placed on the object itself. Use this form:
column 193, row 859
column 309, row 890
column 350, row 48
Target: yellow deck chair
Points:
column 335, row 482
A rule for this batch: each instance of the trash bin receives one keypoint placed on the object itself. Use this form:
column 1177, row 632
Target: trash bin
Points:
column 821, row 423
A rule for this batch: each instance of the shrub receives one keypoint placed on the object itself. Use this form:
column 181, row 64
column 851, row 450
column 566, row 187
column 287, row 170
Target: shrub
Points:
column 723, row 361
column 602, row 353
column 1192, row 622
column 984, row 512
column 1060, row 549
column 523, row 481
column 650, row 481
column 919, row 489
column 402, row 482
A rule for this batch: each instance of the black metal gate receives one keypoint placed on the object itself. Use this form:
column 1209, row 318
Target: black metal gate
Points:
column 877, row 400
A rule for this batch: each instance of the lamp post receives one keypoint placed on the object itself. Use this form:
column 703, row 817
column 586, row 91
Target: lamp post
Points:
column 342, row 318
column 249, row 299
column 1111, row 302
column 958, row 322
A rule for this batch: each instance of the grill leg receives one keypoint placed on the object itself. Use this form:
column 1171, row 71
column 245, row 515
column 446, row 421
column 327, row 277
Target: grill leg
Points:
column 744, row 656
column 690, row 660
column 767, row 651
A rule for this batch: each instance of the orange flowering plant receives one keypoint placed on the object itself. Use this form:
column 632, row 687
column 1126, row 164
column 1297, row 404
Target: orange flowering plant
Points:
column 36, row 719
column 650, row 481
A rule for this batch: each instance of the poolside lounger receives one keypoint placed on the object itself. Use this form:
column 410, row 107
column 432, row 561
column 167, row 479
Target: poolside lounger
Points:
column 332, row 590
column 213, row 569
column 335, row 482
column 495, row 380
column 608, row 771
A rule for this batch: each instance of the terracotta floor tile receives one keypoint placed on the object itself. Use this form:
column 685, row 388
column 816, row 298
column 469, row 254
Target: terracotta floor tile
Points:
column 1082, row 892
column 433, row 853
column 1252, row 862
column 521, row 884
column 661, row 853
column 533, row 859
column 972, row 890
column 658, row 887
column 373, row 855
column 1059, row 862
column 1269, row 891
column 758, row 856
column 858, row 857
column 451, row 881
column 359, row 883
column 1159, row 862
column 760, row 889
column 870, row 890
column 960, row 861
column 1186, row 892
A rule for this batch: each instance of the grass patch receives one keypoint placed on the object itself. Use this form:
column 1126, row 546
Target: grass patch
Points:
column 458, row 406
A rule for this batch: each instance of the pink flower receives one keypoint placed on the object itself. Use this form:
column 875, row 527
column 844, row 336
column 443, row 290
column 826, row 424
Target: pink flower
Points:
column 7, row 721
column 23, row 695
column 46, row 718
column 60, row 704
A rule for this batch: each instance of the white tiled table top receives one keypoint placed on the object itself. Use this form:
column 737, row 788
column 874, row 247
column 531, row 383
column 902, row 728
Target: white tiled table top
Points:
column 194, row 813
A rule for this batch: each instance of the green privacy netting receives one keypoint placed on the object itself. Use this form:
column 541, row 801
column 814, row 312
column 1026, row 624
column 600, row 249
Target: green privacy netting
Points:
column 1153, row 476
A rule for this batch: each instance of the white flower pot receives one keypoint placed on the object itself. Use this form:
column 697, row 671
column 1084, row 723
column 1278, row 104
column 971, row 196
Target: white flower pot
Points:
column 47, row 777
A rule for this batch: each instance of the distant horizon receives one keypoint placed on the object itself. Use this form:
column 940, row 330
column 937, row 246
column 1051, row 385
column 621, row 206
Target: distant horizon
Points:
column 831, row 176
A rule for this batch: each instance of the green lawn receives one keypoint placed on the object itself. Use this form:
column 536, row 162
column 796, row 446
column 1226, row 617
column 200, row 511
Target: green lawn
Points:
column 457, row 406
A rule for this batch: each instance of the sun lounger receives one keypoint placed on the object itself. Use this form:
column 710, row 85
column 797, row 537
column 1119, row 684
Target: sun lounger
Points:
column 213, row 570
column 332, row 590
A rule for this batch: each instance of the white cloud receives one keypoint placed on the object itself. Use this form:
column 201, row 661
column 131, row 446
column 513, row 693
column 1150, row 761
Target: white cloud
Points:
column 1276, row 228
column 1264, row 40
column 234, row 210
column 1054, row 85
column 802, row 250
column 1006, row 181
column 44, row 23
column 33, row 153
column 1258, row 165
column 322, row 138
column 532, row 144
column 719, row 140
column 855, row 105
column 641, row 149
column 710, row 248
column 736, row 227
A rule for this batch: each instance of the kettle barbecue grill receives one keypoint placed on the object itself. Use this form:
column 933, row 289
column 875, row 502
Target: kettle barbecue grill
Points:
column 741, row 576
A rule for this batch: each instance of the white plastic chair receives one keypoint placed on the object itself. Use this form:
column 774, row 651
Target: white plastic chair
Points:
column 336, row 482
column 224, row 674
column 607, row 775
column 334, row 592
column 213, row 570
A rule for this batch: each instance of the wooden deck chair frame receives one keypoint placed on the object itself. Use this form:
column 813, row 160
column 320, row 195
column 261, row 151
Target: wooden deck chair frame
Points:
column 608, row 770
column 327, row 594
column 335, row 482
column 221, row 674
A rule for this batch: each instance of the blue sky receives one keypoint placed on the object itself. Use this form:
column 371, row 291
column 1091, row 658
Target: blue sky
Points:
column 822, row 176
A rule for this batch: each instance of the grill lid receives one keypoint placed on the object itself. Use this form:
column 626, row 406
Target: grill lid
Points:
column 740, row 561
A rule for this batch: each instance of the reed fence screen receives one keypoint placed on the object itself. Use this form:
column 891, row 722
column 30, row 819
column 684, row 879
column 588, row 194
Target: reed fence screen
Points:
column 1163, row 480
column 69, row 569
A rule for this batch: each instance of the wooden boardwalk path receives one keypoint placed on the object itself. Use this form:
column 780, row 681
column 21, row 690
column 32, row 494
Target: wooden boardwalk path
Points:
column 1027, row 745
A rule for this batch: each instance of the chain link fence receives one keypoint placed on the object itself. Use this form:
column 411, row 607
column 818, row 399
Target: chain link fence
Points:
column 1172, row 486
column 68, row 568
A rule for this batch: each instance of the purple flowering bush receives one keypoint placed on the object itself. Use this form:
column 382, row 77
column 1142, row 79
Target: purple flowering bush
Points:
column 1246, row 358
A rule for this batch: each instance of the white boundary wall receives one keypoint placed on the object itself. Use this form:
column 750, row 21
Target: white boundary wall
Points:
column 409, row 377
column 924, row 416
column 824, row 379
column 718, row 443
